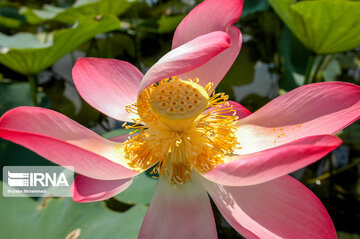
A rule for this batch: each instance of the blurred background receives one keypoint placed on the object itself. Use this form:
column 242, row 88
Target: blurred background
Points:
column 287, row 44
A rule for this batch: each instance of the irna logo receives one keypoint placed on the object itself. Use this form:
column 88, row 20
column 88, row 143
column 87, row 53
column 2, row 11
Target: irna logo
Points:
column 37, row 180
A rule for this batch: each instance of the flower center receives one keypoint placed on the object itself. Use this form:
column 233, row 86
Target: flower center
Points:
column 182, row 126
column 178, row 103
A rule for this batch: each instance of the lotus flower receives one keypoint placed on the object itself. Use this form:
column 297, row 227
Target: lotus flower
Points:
column 197, row 141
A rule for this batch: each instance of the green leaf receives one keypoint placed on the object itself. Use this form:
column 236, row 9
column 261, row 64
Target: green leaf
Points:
column 16, row 94
column 252, row 6
column 140, row 191
column 30, row 54
column 323, row 26
column 58, row 218
column 167, row 24
column 9, row 15
column 9, row 22
column 34, row 16
column 80, row 9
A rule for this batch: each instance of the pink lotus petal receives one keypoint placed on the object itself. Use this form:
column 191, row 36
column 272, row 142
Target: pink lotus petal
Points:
column 316, row 109
column 91, row 190
column 214, row 70
column 266, row 165
column 186, row 57
column 108, row 85
column 209, row 16
column 65, row 142
column 179, row 212
column 281, row 208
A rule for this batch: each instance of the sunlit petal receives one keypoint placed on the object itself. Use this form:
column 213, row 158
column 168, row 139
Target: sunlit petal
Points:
column 281, row 208
column 266, row 165
column 179, row 212
column 108, row 85
column 316, row 109
column 65, row 142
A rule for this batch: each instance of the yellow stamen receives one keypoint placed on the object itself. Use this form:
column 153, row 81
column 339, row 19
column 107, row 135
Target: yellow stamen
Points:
column 176, row 132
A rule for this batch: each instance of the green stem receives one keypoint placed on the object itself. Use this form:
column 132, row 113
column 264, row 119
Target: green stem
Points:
column 33, row 89
column 318, row 67
column 308, row 78
column 326, row 64
column 72, row 58
column 327, row 175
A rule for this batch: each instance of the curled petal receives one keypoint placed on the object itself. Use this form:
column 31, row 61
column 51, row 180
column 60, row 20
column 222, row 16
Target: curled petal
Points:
column 179, row 212
column 214, row 70
column 186, row 57
column 65, row 142
column 266, row 165
column 315, row 109
column 87, row 189
column 280, row 208
column 208, row 16
column 108, row 85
